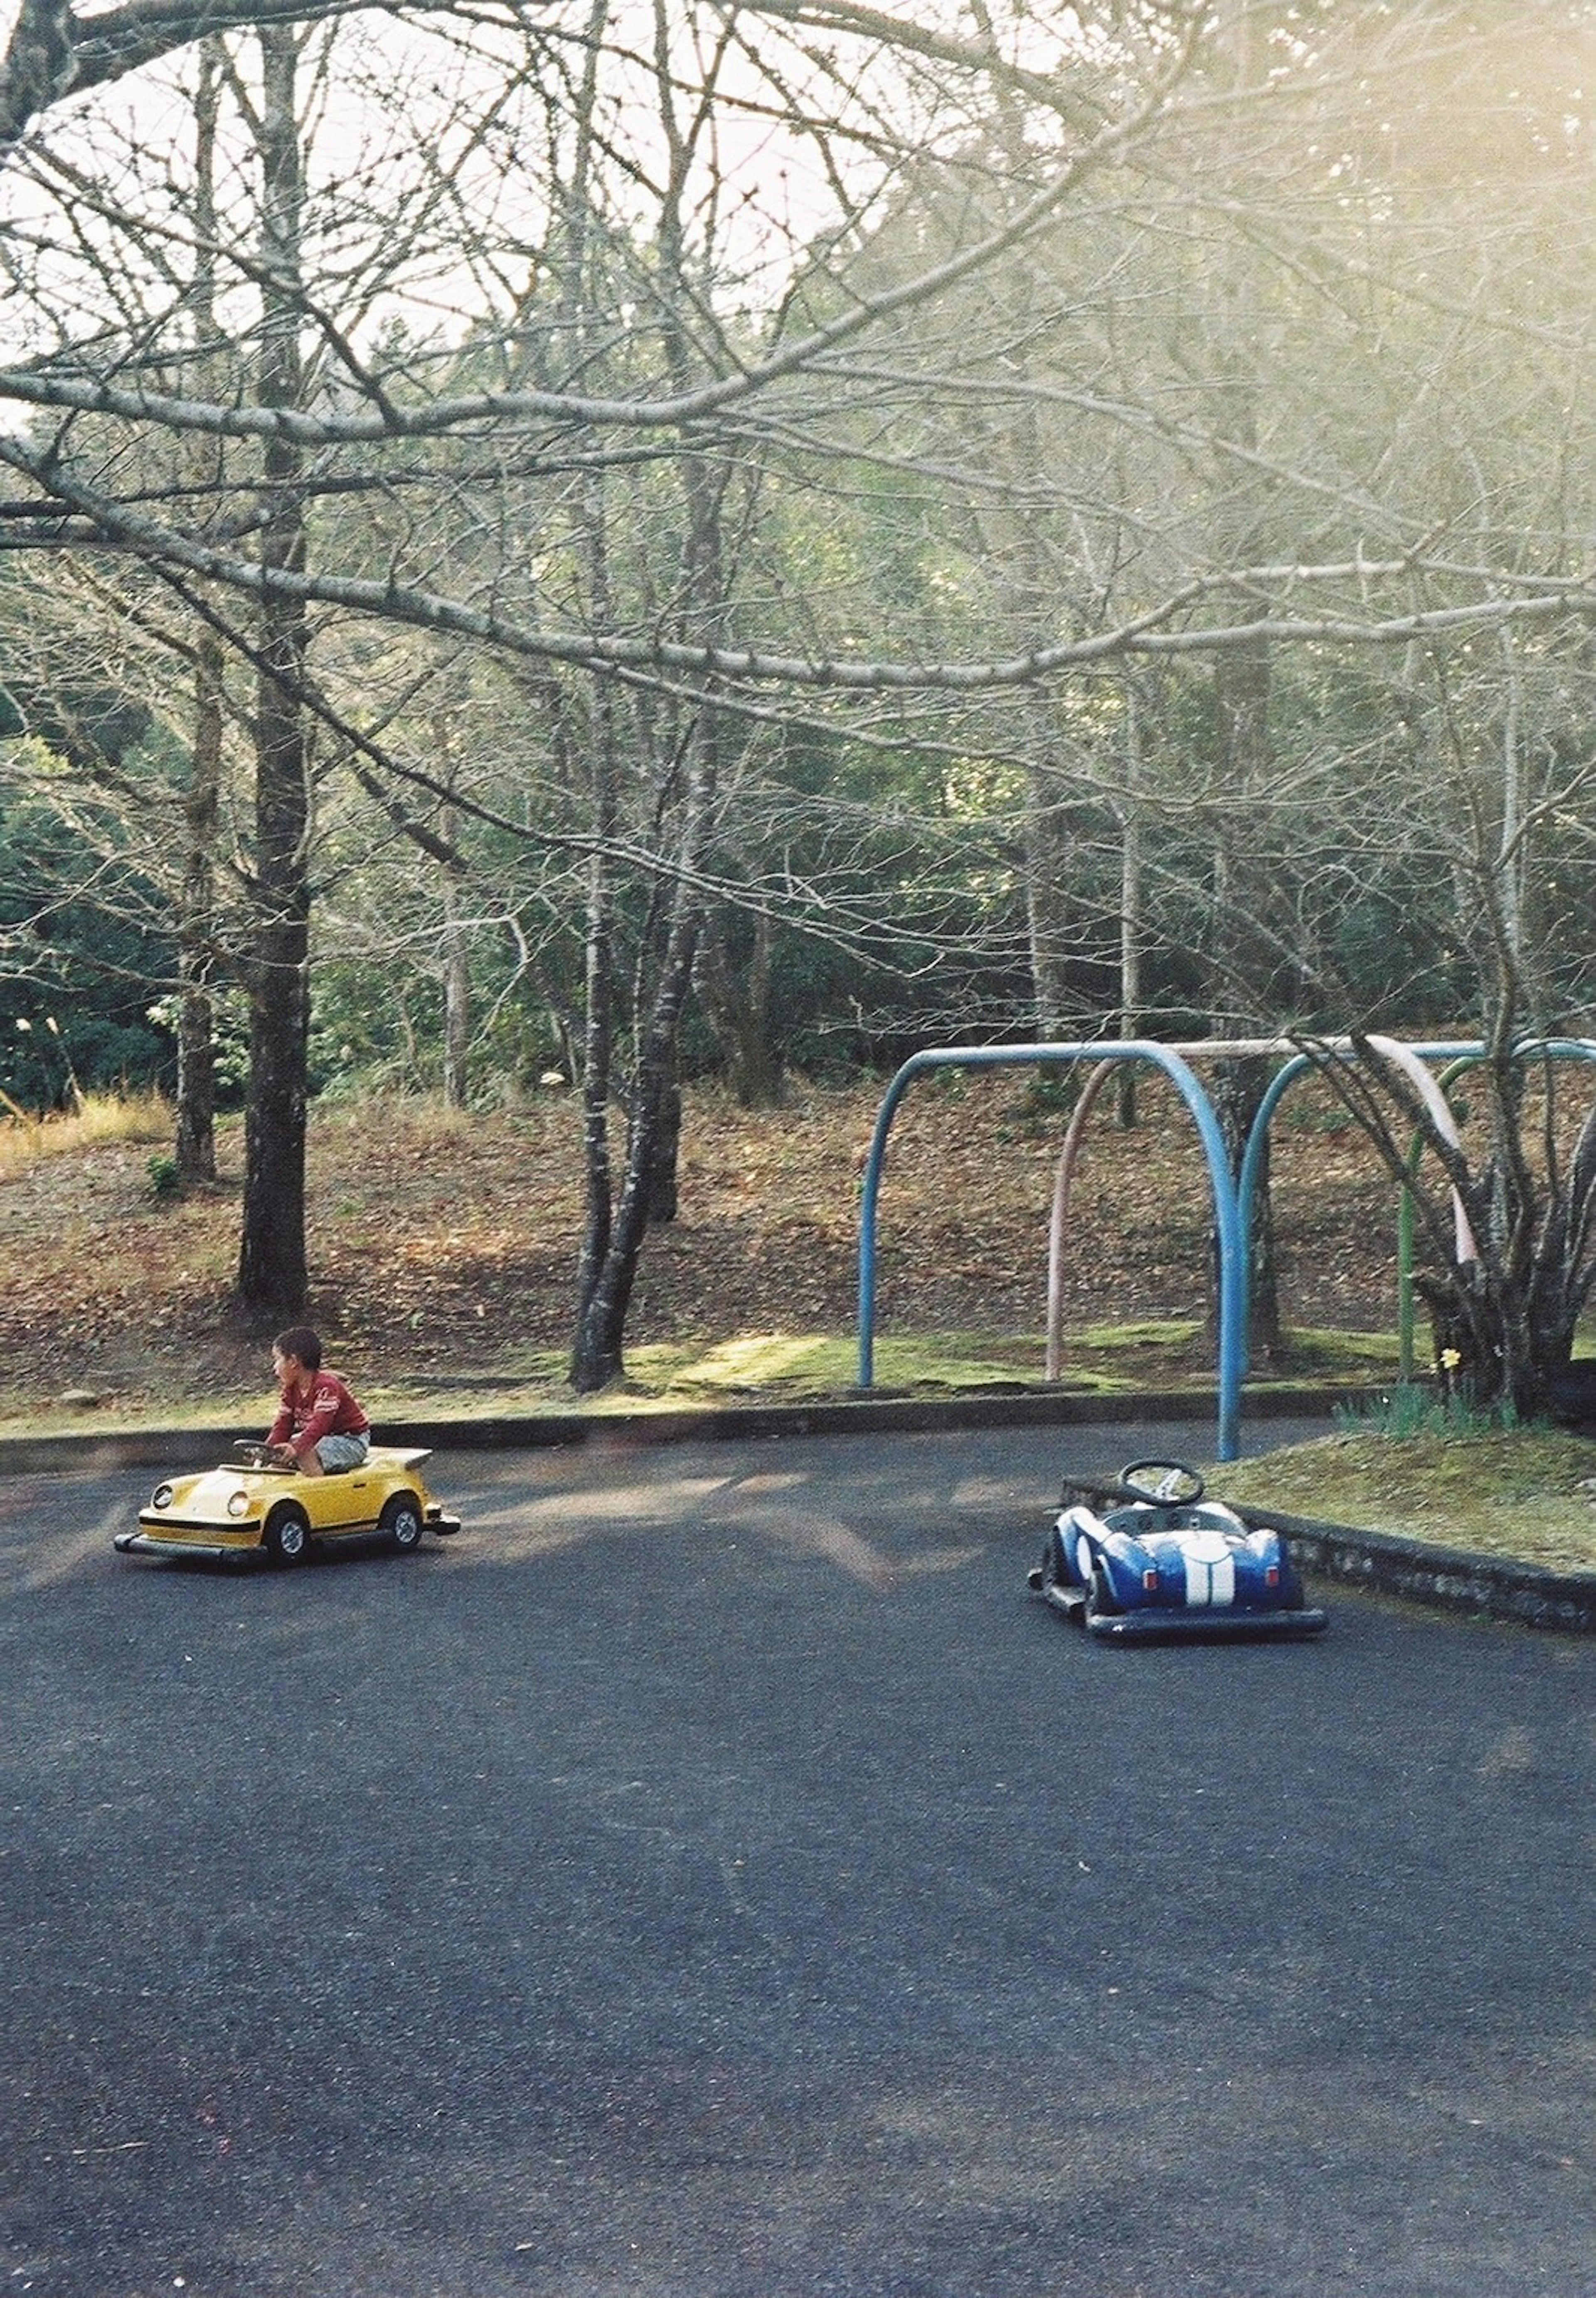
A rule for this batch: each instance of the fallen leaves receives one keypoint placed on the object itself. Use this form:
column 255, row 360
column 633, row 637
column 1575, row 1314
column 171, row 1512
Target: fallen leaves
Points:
column 455, row 1245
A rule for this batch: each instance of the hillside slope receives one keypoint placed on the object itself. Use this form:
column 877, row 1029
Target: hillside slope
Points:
column 447, row 1244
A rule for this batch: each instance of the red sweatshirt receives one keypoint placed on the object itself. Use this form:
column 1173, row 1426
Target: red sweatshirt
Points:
column 329, row 1410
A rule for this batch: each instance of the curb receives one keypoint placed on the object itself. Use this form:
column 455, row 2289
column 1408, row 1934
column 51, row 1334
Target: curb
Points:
column 1442, row 1579
column 186, row 1447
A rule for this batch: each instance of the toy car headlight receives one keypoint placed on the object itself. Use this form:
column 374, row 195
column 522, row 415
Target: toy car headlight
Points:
column 238, row 1502
column 161, row 1497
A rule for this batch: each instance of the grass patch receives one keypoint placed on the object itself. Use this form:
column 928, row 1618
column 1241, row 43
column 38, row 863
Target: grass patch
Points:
column 793, row 1368
column 115, row 1413
column 1526, row 1493
column 1150, row 1332
column 1311, row 1355
column 99, row 1120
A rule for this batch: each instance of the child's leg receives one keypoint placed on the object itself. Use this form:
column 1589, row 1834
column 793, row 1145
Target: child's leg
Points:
column 335, row 1452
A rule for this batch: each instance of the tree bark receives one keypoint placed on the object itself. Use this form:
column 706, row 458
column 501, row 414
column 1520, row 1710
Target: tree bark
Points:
column 1131, row 922
column 272, row 1274
column 457, row 982
column 1239, row 1088
column 736, row 1004
column 1241, row 700
column 1049, row 909
column 196, row 1143
column 597, row 1358
column 197, row 1034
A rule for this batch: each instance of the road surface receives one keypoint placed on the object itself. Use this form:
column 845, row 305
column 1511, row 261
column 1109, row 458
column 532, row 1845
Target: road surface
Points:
column 712, row 1877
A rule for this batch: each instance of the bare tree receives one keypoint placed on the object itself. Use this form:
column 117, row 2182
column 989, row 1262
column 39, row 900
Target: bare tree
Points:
column 545, row 445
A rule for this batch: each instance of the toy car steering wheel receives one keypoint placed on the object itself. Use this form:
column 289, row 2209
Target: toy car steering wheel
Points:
column 1167, row 1483
column 257, row 1456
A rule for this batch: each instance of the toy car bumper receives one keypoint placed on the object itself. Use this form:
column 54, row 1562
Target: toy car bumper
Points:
column 211, row 1550
column 1204, row 1622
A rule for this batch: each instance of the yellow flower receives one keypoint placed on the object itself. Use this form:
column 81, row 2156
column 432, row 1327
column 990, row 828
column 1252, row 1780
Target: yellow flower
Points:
column 1451, row 1358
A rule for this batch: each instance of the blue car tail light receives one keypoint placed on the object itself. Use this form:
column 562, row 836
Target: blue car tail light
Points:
column 1150, row 1578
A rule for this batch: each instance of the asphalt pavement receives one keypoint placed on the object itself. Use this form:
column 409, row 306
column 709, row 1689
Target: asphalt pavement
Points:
column 711, row 1876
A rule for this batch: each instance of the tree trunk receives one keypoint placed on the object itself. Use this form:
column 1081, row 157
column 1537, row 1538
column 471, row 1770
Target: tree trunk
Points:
column 195, row 1145
column 1242, row 680
column 597, row 1033
column 654, row 1113
column 664, row 1153
column 271, row 1269
column 736, row 1004
column 1131, row 926
column 611, row 1247
column 196, row 1035
column 457, row 1019
column 1047, row 905
column 597, row 1358
column 1239, row 1089
column 457, row 984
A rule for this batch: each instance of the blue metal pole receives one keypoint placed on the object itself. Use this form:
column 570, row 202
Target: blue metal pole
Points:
column 1225, row 1206
column 1233, row 1200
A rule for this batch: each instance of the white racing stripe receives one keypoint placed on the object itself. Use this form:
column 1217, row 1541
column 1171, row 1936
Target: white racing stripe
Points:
column 1210, row 1579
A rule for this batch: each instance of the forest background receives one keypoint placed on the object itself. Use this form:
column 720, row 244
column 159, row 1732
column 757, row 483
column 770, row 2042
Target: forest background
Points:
column 694, row 550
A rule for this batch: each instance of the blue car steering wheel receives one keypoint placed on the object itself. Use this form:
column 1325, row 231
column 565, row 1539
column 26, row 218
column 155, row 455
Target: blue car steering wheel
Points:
column 1166, row 1484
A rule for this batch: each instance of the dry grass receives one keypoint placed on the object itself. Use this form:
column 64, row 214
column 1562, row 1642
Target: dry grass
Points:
column 443, row 1247
column 99, row 1121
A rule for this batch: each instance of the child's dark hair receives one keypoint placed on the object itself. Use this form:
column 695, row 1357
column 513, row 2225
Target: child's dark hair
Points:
column 299, row 1341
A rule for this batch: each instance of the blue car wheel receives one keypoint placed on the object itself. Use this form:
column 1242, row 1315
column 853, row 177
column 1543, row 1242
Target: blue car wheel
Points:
column 1102, row 1600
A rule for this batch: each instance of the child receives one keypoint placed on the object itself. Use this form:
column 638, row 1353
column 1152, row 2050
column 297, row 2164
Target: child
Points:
column 318, row 1424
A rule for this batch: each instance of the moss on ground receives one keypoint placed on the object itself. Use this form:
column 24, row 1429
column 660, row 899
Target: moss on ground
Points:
column 1527, row 1493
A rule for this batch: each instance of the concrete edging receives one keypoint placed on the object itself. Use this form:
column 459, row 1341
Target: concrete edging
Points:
column 1444, row 1579
column 185, row 1448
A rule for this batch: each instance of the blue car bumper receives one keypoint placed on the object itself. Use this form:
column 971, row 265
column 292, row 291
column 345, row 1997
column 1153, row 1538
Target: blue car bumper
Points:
column 1203, row 1623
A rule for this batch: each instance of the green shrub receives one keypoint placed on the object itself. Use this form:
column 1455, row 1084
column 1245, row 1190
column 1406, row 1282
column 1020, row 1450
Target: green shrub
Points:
column 162, row 1170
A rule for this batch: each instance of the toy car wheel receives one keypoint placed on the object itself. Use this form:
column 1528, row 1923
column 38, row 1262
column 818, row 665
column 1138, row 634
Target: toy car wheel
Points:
column 1101, row 1599
column 1055, row 1571
column 401, row 1521
column 286, row 1538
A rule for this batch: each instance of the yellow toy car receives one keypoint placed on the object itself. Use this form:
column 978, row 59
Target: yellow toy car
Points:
column 258, row 1508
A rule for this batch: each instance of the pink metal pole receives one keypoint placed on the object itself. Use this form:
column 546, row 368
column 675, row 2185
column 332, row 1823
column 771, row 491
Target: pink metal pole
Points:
column 1062, row 1180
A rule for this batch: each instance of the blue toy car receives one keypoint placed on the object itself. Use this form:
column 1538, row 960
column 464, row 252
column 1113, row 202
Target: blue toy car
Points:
column 1161, row 1561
